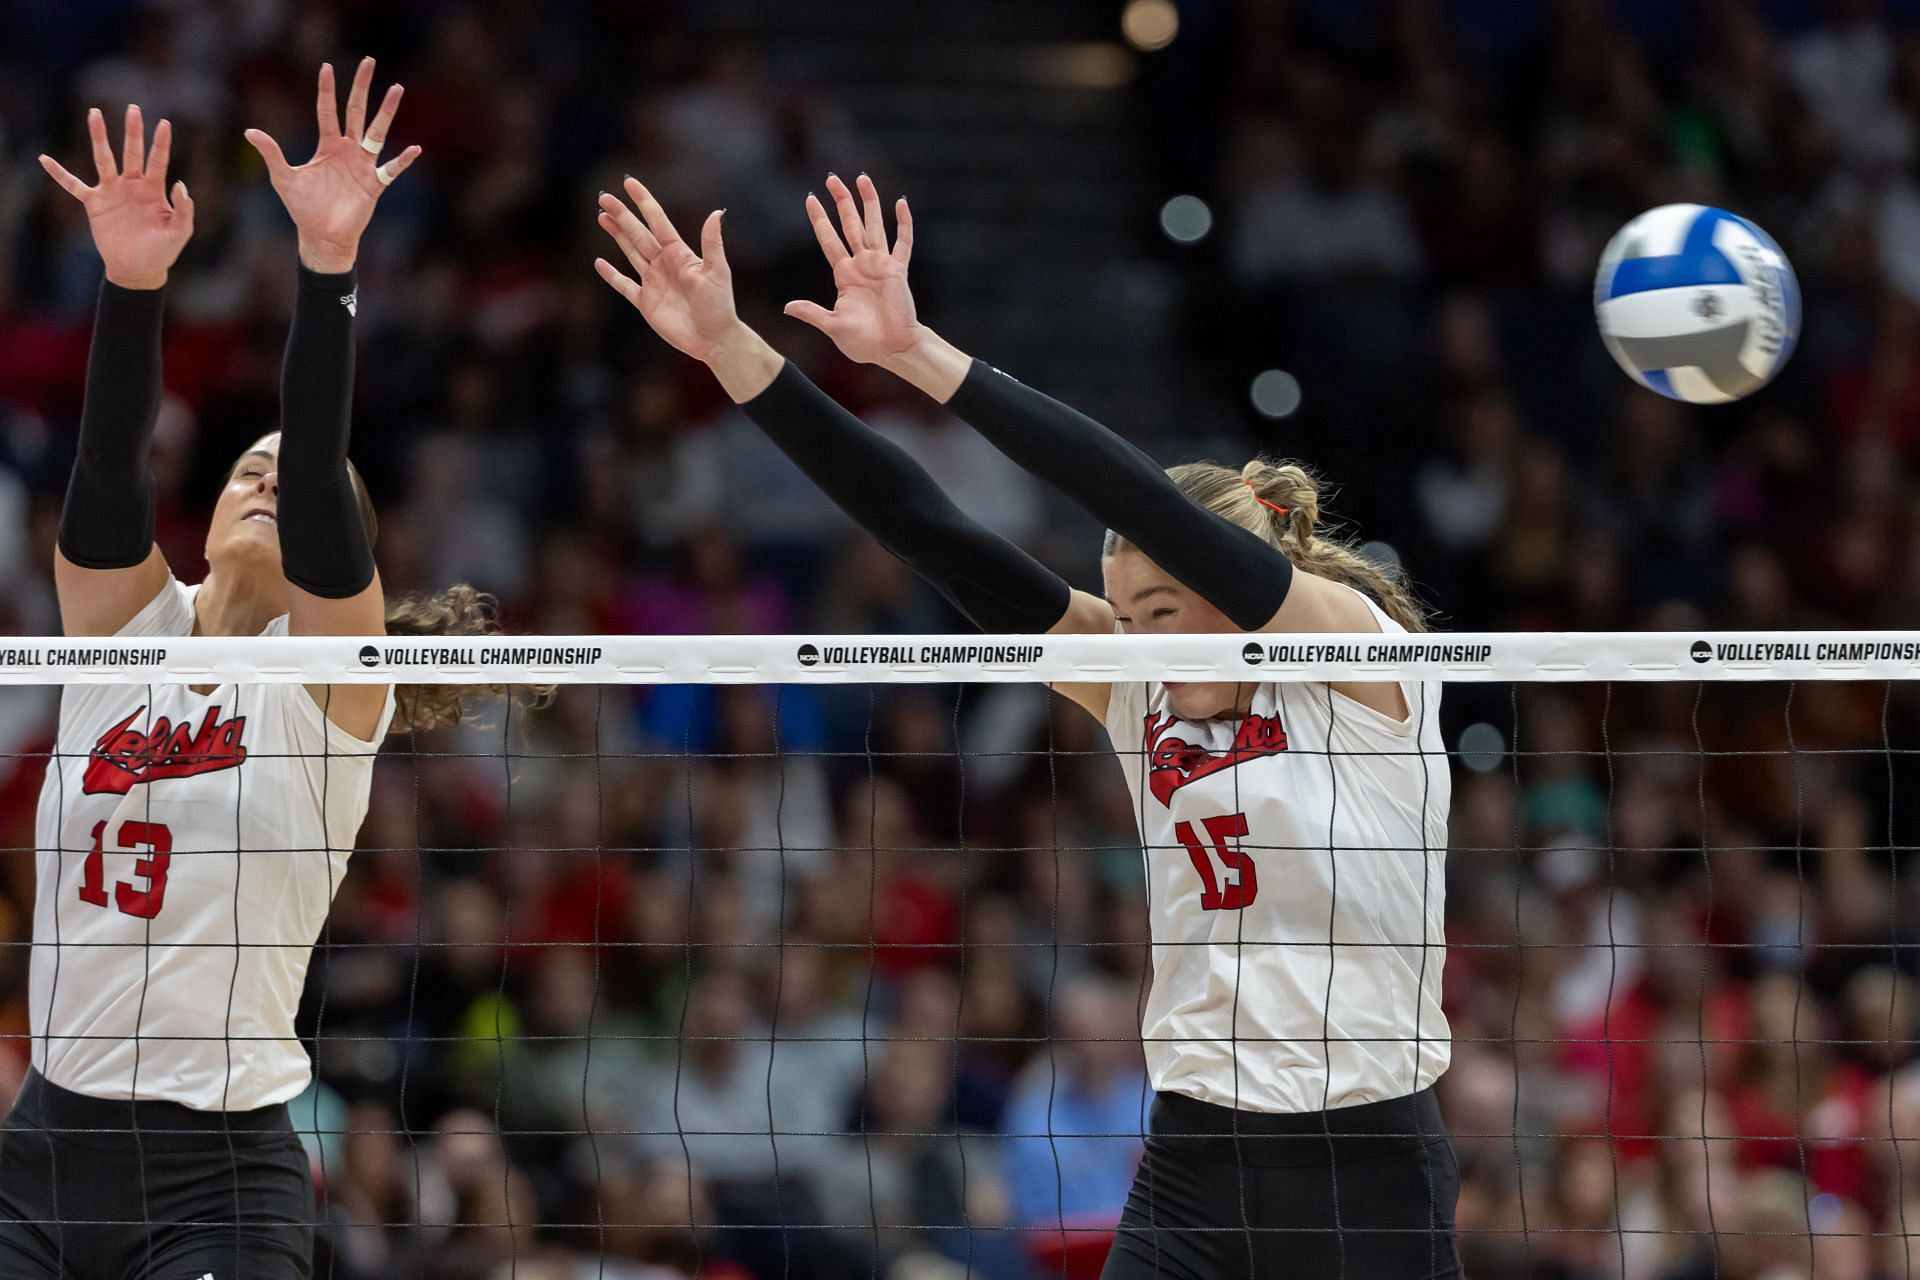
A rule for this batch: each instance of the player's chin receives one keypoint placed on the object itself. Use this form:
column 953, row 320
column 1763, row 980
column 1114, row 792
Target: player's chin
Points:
column 252, row 540
column 1200, row 701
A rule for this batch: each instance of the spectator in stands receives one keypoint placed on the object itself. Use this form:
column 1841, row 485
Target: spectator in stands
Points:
column 1073, row 1126
column 1409, row 200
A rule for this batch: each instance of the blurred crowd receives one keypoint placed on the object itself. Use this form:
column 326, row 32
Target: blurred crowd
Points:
column 620, row 987
column 1679, row 917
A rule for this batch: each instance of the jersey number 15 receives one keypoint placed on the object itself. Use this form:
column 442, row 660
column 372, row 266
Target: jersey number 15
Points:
column 1240, row 890
column 133, row 837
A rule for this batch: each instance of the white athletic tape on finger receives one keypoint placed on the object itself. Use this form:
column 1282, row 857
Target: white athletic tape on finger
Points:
column 385, row 174
column 371, row 145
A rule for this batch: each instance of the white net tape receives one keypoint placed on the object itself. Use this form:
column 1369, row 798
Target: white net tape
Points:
column 575, row 933
column 799, row 659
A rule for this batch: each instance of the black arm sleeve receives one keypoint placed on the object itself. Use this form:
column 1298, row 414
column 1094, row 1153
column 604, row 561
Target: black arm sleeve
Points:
column 324, row 548
column 107, row 522
column 996, row 584
column 1234, row 570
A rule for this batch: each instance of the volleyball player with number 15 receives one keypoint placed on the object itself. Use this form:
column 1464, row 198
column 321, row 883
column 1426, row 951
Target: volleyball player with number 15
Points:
column 190, row 839
column 1295, row 834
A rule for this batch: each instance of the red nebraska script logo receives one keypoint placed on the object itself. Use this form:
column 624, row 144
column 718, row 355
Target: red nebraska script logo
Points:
column 1174, row 762
column 124, row 755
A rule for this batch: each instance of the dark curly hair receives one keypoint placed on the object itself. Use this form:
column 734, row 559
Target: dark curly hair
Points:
column 460, row 610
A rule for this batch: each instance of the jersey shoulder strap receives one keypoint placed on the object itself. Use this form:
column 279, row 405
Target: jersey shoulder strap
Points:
column 1126, row 715
column 169, row 613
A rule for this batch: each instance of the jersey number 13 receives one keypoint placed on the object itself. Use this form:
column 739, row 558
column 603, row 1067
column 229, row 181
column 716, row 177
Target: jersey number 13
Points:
column 156, row 842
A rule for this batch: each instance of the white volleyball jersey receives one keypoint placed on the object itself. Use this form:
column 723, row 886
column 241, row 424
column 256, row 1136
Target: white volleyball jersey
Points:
column 189, row 845
column 1295, row 875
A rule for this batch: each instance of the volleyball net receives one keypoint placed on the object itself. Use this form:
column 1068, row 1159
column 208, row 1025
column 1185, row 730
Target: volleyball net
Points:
column 809, row 956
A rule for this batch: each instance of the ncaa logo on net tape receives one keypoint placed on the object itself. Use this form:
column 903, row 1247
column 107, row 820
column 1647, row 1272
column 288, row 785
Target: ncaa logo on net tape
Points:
column 809, row 655
column 1701, row 651
column 369, row 656
column 1253, row 654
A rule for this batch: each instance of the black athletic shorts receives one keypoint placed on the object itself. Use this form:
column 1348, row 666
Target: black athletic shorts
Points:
column 1357, row 1193
column 99, row 1190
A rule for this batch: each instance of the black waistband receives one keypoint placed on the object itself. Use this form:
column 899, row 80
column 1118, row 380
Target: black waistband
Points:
column 113, row 1122
column 1204, row 1129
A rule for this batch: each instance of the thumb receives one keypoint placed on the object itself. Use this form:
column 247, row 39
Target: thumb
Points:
column 811, row 313
column 713, row 249
column 183, row 206
column 269, row 151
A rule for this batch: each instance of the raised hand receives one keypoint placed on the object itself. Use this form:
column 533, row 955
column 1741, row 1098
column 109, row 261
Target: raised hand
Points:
column 331, row 197
column 137, row 229
column 686, row 297
column 872, row 319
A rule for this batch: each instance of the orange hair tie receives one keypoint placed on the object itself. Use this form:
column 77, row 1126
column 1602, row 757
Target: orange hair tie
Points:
column 1262, row 501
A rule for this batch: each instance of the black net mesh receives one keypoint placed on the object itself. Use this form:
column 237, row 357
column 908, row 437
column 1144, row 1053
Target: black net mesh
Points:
column 763, row 981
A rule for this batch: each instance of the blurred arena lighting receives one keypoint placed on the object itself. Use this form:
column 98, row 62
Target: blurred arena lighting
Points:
column 1276, row 393
column 1085, row 64
column 1186, row 219
column 1381, row 553
column 1481, row 747
column 1150, row 25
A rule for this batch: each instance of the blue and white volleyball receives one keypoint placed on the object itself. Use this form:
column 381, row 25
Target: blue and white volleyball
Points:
column 1697, row 303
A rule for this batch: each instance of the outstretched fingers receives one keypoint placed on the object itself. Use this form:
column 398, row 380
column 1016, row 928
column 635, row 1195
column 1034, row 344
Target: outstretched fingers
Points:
column 269, row 150
column 623, row 284
column 811, row 313
column 68, row 183
column 641, row 264
column 103, row 162
column 133, row 152
column 135, row 160
column 628, row 231
column 357, row 99
column 376, row 135
column 713, row 248
column 398, row 165
column 863, row 224
column 903, row 235
column 850, row 224
column 326, row 107
column 830, row 242
column 876, row 225
column 162, row 150
column 656, row 217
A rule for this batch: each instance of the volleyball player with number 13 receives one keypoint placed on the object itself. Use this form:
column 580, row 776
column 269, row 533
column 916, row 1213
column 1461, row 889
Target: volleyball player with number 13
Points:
column 190, row 839
column 1295, row 834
